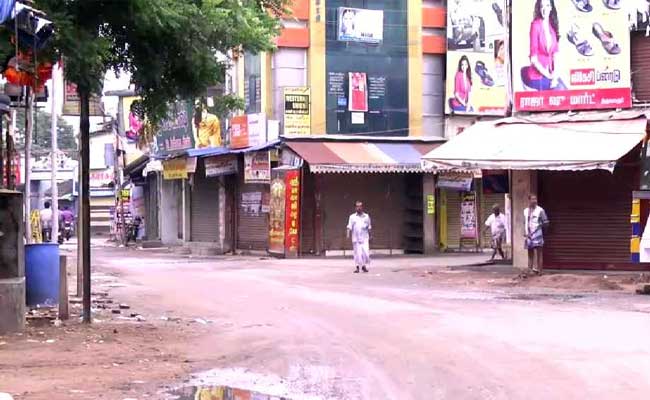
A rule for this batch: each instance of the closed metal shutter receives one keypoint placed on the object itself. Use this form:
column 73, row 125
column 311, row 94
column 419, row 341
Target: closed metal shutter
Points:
column 252, row 228
column 204, row 219
column 453, row 219
column 639, row 66
column 151, row 198
column 590, row 218
column 488, row 200
column 384, row 198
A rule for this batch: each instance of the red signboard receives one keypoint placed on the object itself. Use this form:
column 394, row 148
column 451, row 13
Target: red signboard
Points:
column 587, row 99
column 239, row 132
column 292, row 213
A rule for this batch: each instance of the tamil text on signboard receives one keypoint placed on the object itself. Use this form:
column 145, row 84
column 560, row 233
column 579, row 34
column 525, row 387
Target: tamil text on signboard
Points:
column 292, row 214
column 297, row 116
column 220, row 165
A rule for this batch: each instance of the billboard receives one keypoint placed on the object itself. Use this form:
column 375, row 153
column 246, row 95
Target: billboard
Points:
column 175, row 131
column 360, row 25
column 476, row 58
column 297, row 116
column 576, row 55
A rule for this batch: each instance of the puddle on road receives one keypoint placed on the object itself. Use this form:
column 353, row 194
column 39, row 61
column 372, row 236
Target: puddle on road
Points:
column 219, row 393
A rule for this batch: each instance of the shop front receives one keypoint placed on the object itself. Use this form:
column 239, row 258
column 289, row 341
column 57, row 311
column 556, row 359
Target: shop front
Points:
column 583, row 170
column 386, row 176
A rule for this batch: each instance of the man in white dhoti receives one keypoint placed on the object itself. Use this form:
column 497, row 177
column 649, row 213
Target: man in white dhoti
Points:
column 359, row 227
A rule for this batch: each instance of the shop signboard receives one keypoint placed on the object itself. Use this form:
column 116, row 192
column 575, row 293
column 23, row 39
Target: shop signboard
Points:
column 455, row 181
column 257, row 167
column 175, row 133
column 175, row 168
column 581, row 62
column 468, row 216
column 360, row 25
column 297, row 114
column 220, row 165
column 239, row 132
column 284, row 212
column 476, row 57
column 256, row 129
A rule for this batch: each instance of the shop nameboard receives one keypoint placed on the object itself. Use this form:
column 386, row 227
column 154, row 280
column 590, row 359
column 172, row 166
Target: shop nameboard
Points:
column 297, row 115
column 220, row 165
column 468, row 216
column 247, row 130
column 575, row 57
column 175, row 168
column 357, row 92
column 175, row 133
column 360, row 25
column 257, row 167
column 284, row 212
column 476, row 57
column 455, row 181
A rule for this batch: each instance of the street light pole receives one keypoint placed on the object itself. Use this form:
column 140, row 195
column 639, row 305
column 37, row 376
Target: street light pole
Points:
column 54, row 159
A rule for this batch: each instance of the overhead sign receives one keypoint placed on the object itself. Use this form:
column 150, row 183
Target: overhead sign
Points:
column 175, row 132
column 360, row 25
column 220, row 165
column 575, row 57
column 257, row 167
column 476, row 58
column 297, row 115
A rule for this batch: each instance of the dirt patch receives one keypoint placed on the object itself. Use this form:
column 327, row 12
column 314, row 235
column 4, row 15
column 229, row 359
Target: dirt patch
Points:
column 111, row 359
column 571, row 282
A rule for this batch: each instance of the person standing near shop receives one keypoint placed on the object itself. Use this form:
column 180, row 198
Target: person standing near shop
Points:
column 46, row 222
column 535, row 221
column 359, row 228
column 497, row 224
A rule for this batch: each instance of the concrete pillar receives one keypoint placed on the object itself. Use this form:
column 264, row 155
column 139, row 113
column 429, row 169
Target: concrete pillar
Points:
column 187, row 210
column 429, row 213
column 523, row 184
column 169, row 213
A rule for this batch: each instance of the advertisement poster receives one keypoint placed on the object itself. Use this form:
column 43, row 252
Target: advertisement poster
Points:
column 206, row 128
column 175, row 168
column 256, row 129
column 251, row 203
column 277, row 210
column 257, row 167
column 357, row 92
column 476, row 57
column 639, row 16
column 220, row 165
column 239, row 132
column 130, row 121
column 468, row 221
column 576, row 55
column 292, row 213
column 297, row 115
column 175, row 133
column 360, row 25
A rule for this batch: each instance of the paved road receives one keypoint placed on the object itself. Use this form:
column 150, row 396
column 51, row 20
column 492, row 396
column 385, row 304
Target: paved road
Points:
column 390, row 334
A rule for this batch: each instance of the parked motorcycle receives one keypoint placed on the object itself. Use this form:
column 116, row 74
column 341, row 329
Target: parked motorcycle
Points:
column 133, row 229
column 65, row 232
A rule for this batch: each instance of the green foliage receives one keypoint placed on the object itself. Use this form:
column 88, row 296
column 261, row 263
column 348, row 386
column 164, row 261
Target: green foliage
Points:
column 42, row 138
column 169, row 47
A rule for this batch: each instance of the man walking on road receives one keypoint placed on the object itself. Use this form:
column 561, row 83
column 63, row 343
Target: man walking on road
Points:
column 359, row 227
column 535, row 221
column 497, row 224
column 46, row 222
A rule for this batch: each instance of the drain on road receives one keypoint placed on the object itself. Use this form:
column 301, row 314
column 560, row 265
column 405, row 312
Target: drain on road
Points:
column 542, row 296
column 219, row 393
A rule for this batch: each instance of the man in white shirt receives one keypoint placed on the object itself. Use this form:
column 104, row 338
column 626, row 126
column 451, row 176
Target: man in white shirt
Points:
column 359, row 227
column 497, row 224
column 535, row 221
column 46, row 222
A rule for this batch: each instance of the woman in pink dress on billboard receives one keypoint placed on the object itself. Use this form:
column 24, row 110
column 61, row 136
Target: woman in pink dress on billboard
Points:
column 543, row 74
column 462, row 87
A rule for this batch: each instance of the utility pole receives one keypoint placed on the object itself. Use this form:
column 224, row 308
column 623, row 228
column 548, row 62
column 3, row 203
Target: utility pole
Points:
column 84, row 140
column 54, row 159
column 28, row 164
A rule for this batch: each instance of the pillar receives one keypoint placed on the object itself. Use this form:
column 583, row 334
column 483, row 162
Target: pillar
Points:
column 523, row 183
column 429, row 213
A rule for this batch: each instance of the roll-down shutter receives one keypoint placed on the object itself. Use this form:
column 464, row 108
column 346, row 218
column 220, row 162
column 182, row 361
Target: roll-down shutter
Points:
column 204, row 223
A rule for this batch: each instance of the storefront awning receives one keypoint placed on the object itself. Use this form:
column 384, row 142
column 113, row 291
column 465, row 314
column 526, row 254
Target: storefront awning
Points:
column 348, row 157
column 517, row 145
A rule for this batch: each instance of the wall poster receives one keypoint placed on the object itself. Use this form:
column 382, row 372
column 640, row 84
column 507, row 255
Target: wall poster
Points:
column 257, row 167
column 468, row 216
column 357, row 91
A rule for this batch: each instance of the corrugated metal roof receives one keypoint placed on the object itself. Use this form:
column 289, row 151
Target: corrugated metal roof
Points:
column 350, row 157
column 523, row 146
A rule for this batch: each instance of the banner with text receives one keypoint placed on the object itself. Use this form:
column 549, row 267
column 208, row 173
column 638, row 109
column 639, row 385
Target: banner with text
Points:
column 297, row 116
column 576, row 55
column 476, row 57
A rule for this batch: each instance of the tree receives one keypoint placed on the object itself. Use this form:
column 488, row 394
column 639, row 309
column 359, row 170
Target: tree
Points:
column 42, row 139
column 169, row 48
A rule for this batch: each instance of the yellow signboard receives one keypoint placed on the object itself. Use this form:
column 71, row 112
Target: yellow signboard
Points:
column 431, row 204
column 175, row 168
column 297, row 114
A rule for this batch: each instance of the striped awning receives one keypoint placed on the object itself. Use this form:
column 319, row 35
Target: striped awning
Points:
column 350, row 157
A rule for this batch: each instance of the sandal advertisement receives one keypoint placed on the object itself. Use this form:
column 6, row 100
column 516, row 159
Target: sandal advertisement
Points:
column 476, row 57
column 575, row 57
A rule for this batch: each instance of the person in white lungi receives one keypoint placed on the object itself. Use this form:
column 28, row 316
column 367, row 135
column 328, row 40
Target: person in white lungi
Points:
column 359, row 227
